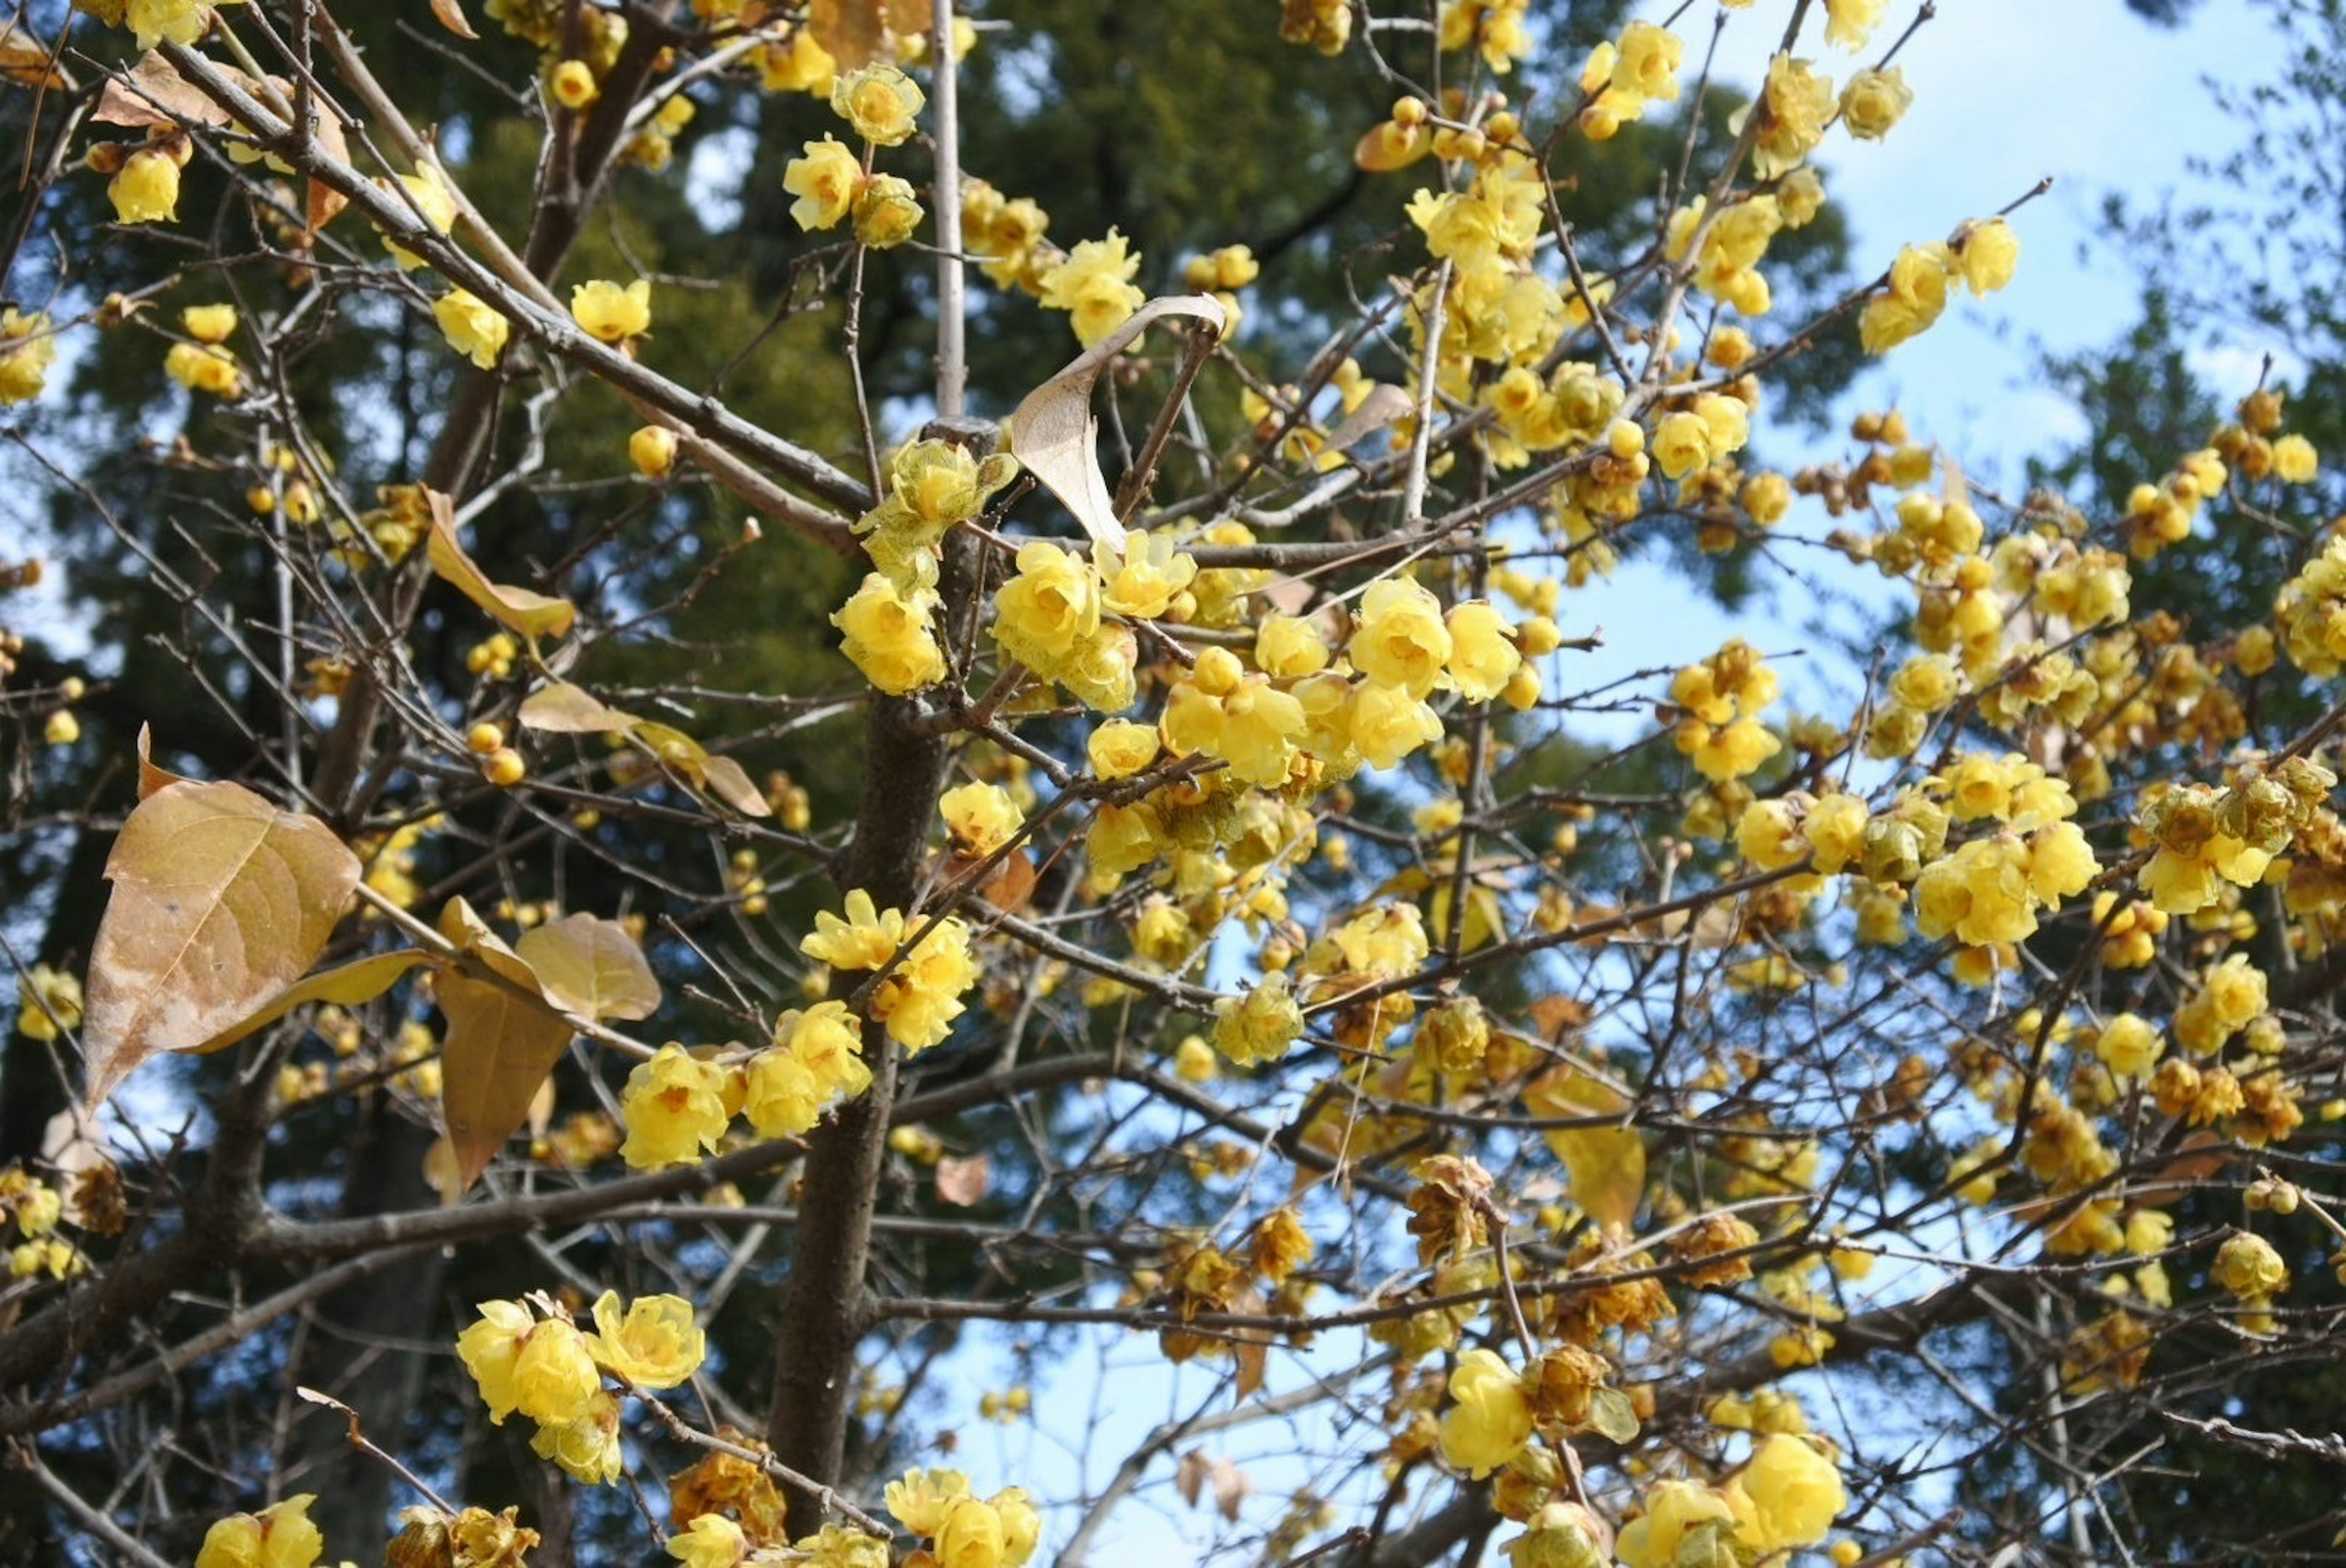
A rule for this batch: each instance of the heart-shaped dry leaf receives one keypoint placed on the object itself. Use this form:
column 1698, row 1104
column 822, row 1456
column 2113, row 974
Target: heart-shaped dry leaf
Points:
column 221, row 902
column 504, row 1038
column 562, row 708
column 590, row 967
column 1056, row 435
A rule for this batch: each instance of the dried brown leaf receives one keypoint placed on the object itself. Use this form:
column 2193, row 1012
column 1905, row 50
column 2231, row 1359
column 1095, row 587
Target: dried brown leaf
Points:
column 1384, row 404
column 562, row 708
column 221, row 900
column 503, row 1040
column 1011, row 885
column 29, row 63
column 325, row 202
column 590, row 967
column 150, row 777
column 533, row 614
column 962, row 1181
column 348, row 985
column 153, row 93
column 853, row 31
column 450, row 15
column 730, row 782
column 1056, row 435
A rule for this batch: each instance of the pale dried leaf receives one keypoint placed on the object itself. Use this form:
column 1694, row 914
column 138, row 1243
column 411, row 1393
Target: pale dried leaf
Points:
column 675, row 749
column 1384, row 404
column 1232, row 1488
column 1011, row 885
column 730, row 782
column 562, row 708
column 325, row 202
column 1189, row 1479
column 1607, row 1166
column 450, row 14
column 540, row 1108
column 533, row 614
column 221, row 900
column 853, row 31
column 29, row 63
column 1249, row 1347
column 70, row 1144
column 347, row 984
column 502, row 1043
column 909, row 17
column 1056, row 435
column 153, row 93
column 961, row 1181
column 590, row 967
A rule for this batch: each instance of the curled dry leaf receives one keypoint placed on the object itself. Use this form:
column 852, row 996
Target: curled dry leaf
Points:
column 853, row 31
column 533, row 614
column 726, row 779
column 450, row 15
column 29, row 63
column 1229, row 1483
column 153, row 93
column 590, row 967
column 1056, row 435
column 962, row 1181
column 221, row 902
column 1384, row 404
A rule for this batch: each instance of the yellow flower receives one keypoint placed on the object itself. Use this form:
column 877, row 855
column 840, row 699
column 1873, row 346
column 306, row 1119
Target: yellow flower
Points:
column 437, row 205
column 1835, row 830
column 199, row 367
column 586, row 1447
column 572, row 83
column 48, row 1001
column 1989, row 252
column 1022, row 1526
column 1646, row 65
column 2248, row 1267
column 1260, row 1026
column 980, row 816
column 146, row 187
column 865, row 939
column 1849, row 22
column 1489, row 1421
column 710, row 1541
column 825, row 181
column 2128, row 1045
column 26, row 350
column 921, row 1499
column 920, row 998
column 886, row 212
column 553, row 1376
column 782, row 1098
column 1483, row 655
column 880, row 101
column 1915, row 297
column 2294, row 461
column 1674, row 1510
column 209, row 323
column 971, row 1537
column 277, row 1537
column 1386, row 723
column 1045, row 613
column 472, row 328
column 1142, row 580
column 1796, row 1493
column 490, row 1350
column 1399, row 640
column 674, row 1108
column 888, row 637
column 1094, row 285
column 1288, row 648
column 1794, row 105
column 799, row 66
column 1873, row 102
column 652, row 449
column 604, row 310
column 828, row 1040
column 1119, row 748
column 655, row 1346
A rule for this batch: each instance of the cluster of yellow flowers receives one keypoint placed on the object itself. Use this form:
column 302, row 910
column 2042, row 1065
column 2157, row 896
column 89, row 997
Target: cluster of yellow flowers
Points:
column 544, row 1367
column 921, row 995
column 28, row 346
column 33, row 1209
column 887, row 622
column 881, row 104
column 1981, row 258
column 964, row 1530
column 279, row 1536
column 1721, row 698
column 1784, row 1498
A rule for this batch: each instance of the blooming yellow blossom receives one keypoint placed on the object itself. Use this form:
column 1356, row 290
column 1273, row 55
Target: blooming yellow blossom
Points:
column 710, row 1541
column 27, row 349
column 1490, row 1417
column 471, row 327
column 1914, row 297
column 1119, row 748
column 277, row 1537
column 1143, row 578
column 434, row 200
column 825, row 180
column 1674, row 1510
column 1094, row 285
column 674, row 1108
column 1399, row 640
column 49, row 1001
column 655, row 1345
column 1988, row 252
column 1873, row 102
column 553, row 1376
column 980, row 816
column 921, row 1499
column 604, row 310
column 880, row 102
column 888, row 637
column 146, row 189
column 1796, row 1493
column 971, row 1535
column 1259, row 1026
column 586, row 1446
column 887, row 213
column 490, row 1350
